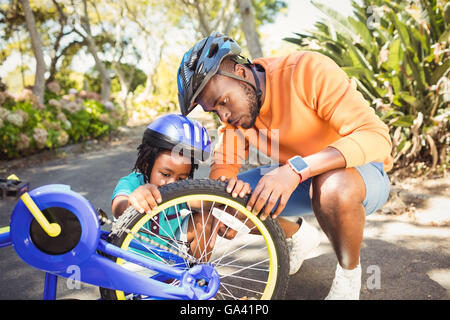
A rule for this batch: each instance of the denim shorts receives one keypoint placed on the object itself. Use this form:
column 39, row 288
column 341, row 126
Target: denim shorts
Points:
column 375, row 179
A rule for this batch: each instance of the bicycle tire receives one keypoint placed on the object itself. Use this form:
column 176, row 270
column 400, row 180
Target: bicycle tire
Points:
column 214, row 190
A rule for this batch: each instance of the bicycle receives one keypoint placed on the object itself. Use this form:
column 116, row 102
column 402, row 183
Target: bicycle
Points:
column 53, row 229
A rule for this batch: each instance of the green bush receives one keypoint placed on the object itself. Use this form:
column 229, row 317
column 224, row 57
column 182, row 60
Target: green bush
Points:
column 144, row 109
column 398, row 54
column 27, row 127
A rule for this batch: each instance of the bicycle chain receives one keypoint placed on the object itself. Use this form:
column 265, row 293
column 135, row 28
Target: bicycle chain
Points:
column 178, row 253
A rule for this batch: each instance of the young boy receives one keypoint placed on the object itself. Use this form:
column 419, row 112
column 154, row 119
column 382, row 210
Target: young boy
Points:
column 158, row 165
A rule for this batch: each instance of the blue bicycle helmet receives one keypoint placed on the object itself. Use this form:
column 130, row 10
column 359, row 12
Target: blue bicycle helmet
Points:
column 175, row 130
column 202, row 62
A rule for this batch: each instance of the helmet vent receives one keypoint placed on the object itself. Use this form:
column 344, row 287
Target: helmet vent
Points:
column 213, row 50
column 192, row 63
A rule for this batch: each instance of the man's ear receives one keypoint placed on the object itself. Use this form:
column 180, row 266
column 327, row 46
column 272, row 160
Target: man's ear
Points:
column 241, row 70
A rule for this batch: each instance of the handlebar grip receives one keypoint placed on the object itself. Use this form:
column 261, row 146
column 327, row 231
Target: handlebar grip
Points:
column 52, row 229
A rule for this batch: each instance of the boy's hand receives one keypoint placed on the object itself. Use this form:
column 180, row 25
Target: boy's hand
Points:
column 145, row 198
column 237, row 187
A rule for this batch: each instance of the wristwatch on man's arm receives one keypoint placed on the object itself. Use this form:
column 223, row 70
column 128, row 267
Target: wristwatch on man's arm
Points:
column 299, row 166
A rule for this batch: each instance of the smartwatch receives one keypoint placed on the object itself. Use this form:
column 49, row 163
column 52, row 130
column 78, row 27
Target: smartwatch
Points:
column 300, row 167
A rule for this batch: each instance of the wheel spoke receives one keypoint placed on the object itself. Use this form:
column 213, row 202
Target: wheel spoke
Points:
column 244, row 252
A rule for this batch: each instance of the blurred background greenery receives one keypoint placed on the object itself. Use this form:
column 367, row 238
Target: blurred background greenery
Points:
column 78, row 69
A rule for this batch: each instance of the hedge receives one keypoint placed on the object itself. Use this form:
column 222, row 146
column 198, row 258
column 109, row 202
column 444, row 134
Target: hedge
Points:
column 27, row 127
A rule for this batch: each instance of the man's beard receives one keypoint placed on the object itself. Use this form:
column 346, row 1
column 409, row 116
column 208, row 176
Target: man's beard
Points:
column 253, row 104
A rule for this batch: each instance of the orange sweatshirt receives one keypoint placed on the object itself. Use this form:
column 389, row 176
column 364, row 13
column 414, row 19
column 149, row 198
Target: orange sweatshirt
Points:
column 310, row 104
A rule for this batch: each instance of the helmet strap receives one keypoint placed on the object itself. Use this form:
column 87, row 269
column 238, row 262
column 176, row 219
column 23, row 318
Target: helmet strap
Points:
column 258, row 91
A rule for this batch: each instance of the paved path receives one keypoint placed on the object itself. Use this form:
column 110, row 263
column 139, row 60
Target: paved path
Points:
column 401, row 258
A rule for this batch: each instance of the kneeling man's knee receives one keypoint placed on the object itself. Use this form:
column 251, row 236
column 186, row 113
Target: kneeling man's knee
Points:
column 337, row 190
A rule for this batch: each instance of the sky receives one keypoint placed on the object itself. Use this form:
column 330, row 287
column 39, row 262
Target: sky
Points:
column 300, row 16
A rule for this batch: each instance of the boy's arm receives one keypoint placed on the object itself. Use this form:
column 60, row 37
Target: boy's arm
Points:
column 119, row 205
column 120, row 196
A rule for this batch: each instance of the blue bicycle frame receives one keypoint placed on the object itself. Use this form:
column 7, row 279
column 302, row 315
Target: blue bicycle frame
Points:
column 95, row 268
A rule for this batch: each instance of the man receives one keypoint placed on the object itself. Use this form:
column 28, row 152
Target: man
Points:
column 332, row 148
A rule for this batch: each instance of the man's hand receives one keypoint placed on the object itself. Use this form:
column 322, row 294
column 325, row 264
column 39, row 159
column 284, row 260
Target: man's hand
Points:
column 145, row 198
column 279, row 183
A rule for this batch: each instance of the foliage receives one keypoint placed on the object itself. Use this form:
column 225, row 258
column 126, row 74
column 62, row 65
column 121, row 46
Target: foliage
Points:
column 146, row 108
column 27, row 127
column 398, row 53
column 134, row 41
column 93, row 78
column 266, row 10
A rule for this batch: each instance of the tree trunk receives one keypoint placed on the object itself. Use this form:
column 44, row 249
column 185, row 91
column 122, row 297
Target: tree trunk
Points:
column 248, row 26
column 125, row 84
column 156, row 60
column 92, row 48
column 36, row 43
column 106, row 80
column 148, row 89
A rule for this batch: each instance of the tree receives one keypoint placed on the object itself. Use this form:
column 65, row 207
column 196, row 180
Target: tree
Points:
column 255, row 13
column 36, row 42
column 83, row 20
column 209, row 15
column 118, row 44
column 52, row 24
column 236, row 18
column 152, row 22
column 58, row 51
column 248, row 26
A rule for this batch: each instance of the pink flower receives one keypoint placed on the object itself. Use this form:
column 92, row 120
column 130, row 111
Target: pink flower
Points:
column 40, row 136
column 54, row 87
column 63, row 138
column 24, row 142
column 54, row 102
column 15, row 118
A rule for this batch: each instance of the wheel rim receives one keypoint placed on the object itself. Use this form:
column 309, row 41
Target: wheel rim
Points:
column 226, row 289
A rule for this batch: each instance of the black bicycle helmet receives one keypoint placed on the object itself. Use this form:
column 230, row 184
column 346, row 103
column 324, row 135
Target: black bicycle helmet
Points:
column 202, row 62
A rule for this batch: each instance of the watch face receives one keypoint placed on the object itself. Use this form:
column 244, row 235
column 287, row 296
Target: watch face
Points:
column 298, row 163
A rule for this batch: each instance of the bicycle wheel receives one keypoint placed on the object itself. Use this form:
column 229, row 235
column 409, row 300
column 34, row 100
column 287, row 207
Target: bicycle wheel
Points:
column 250, row 256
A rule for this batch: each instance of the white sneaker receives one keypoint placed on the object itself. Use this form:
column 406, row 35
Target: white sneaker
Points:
column 346, row 284
column 302, row 243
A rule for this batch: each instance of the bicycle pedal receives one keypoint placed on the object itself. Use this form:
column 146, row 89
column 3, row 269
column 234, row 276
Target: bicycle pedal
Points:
column 12, row 188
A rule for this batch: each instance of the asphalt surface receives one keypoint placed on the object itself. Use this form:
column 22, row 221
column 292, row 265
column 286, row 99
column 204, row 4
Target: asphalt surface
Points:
column 401, row 258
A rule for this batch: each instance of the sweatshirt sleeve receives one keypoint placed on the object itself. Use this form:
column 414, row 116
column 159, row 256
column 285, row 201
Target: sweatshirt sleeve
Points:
column 335, row 98
column 229, row 153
